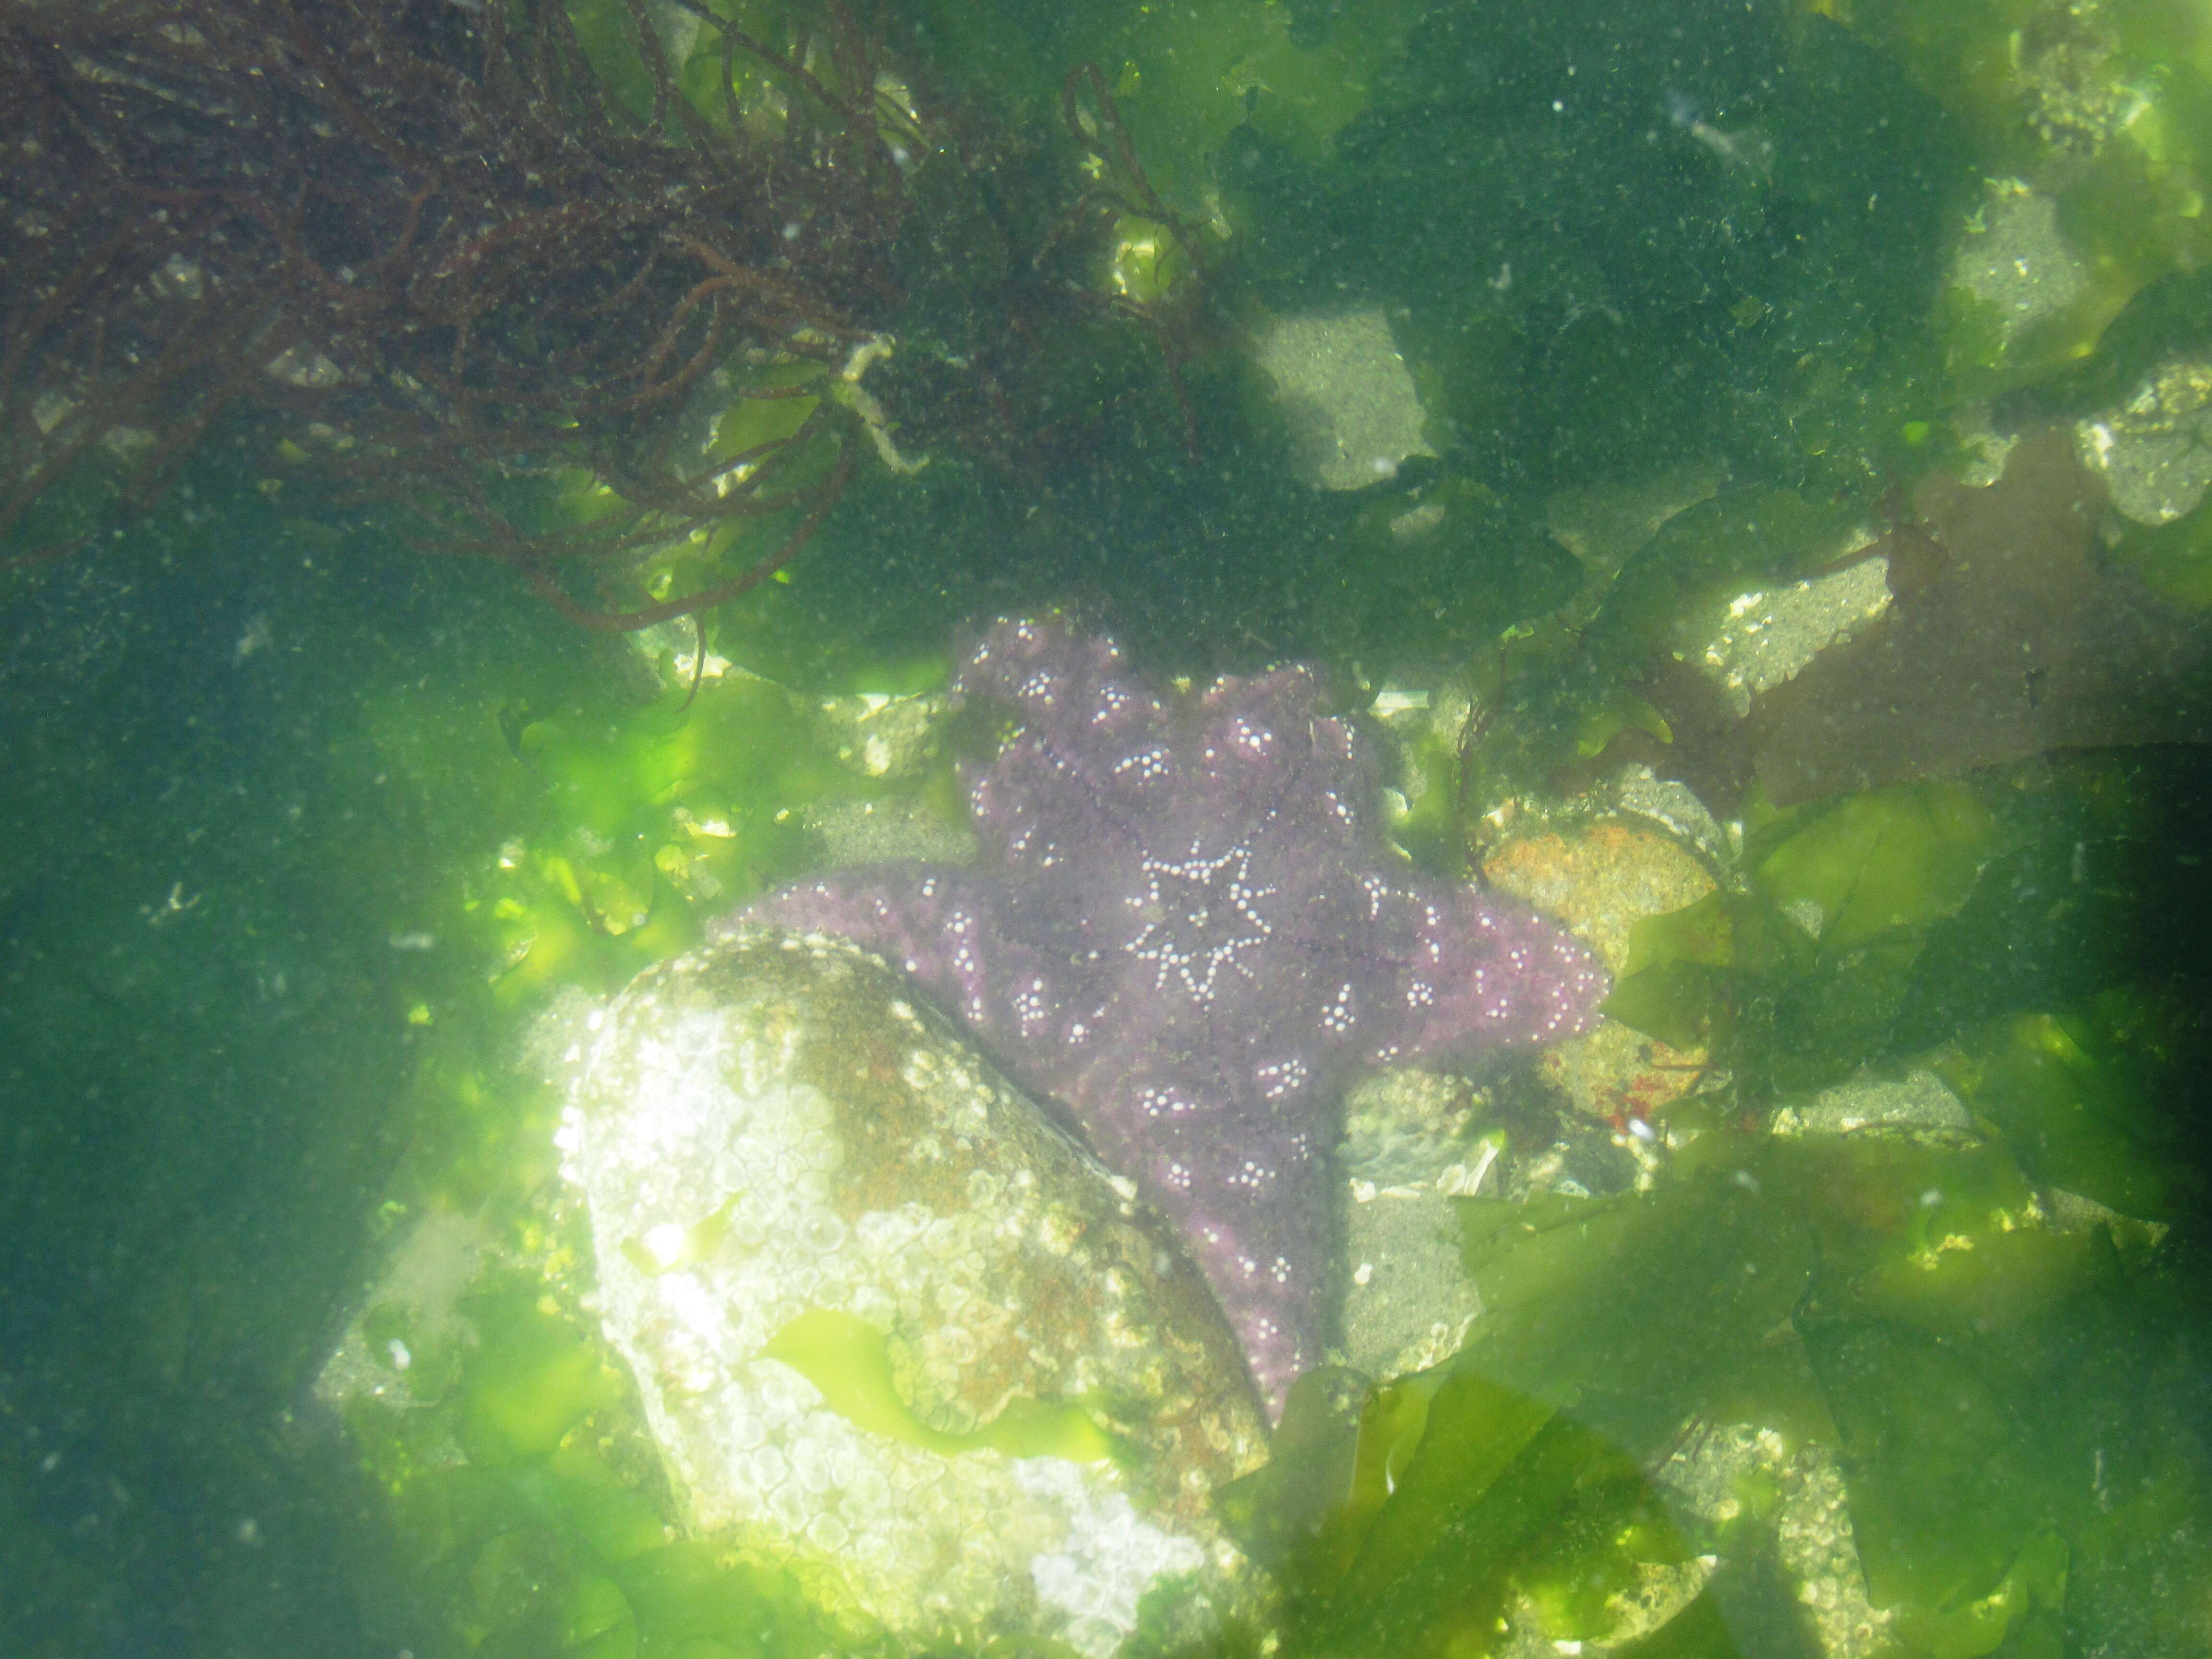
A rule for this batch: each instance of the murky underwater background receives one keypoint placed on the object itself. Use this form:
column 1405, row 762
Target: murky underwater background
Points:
column 1746, row 464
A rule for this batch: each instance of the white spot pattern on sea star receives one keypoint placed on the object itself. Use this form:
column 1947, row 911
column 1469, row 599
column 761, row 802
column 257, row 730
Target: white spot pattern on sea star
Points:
column 1030, row 1005
column 1148, row 764
column 1336, row 1013
column 1377, row 890
column 1200, row 913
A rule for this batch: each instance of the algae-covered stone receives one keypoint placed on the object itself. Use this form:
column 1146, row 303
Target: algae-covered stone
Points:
column 2154, row 450
column 1354, row 414
column 1602, row 881
column 1771, row 632
column 1409, row 1147
column 889, row 1324
column 1915, row 1107
column 1792, row 1491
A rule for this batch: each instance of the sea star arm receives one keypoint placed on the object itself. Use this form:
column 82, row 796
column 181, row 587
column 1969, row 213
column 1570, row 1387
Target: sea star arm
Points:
column 1471, row 972
column 944, row 928
column 915, row 916
column 1232, row 1163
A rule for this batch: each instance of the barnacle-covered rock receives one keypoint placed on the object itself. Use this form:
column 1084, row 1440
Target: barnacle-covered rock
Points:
column 889, row 1324
column 1414, row 1141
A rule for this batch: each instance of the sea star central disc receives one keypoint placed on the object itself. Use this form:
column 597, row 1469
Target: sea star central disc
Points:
column 1198, row 914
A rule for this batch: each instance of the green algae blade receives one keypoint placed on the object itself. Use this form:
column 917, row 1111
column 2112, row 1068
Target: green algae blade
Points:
column 849, row 1360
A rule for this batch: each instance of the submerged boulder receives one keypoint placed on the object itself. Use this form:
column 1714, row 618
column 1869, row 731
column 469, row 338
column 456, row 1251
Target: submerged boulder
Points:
column 889, row 1323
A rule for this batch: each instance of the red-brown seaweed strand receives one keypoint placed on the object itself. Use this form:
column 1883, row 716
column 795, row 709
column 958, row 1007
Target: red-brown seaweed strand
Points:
column 478, row 264
column 1123, row 188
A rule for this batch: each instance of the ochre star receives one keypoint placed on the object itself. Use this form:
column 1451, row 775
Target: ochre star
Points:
column 1186, row 926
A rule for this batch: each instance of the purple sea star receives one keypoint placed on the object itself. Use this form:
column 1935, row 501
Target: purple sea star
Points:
column 1187, row 927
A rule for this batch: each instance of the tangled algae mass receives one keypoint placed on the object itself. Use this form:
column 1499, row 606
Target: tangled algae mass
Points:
column 573, row 285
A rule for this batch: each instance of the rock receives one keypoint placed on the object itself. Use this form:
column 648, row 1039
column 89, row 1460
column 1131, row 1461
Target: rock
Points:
column 1917, row 1106
column 1602, row 524
column 885, row 832
column 1675, row 807
column 884, row 1315
column 1601, row 881
column 1799, row 1512
column 1620, row 1075
column 434, row 1263
column 1409, row 1149
column 1771, row 633
column 2015, row 260
column 2154, row 451
column 669, row 653
column 1347, row 394
column 875, row 736
column 1408, row 1127
column 1409, row 1301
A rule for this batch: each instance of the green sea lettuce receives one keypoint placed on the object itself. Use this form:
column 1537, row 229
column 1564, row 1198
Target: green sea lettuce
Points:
column 1515, row 1467
column 1806, row 968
